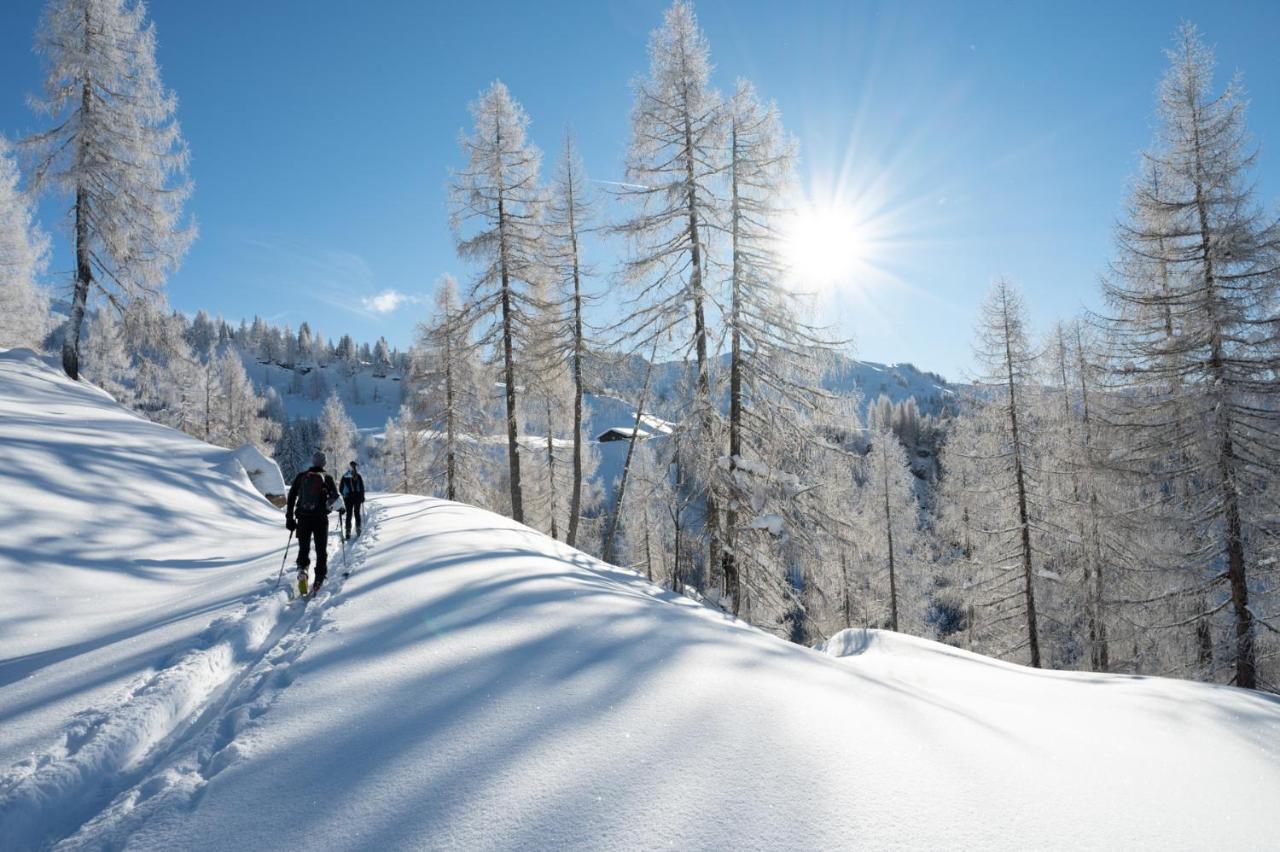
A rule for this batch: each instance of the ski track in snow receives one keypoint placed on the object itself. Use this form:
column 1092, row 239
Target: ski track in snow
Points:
column 176, row 728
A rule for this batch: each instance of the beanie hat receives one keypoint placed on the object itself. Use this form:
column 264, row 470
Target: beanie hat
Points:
column 318, row 459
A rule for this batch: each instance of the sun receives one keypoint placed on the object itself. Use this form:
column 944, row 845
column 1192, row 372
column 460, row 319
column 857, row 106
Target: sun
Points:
column 823, row 245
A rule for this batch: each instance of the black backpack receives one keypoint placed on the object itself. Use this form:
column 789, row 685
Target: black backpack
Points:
column 312, row 499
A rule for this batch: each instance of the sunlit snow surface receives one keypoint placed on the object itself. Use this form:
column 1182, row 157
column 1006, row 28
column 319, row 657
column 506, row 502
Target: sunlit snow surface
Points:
column 474, row 685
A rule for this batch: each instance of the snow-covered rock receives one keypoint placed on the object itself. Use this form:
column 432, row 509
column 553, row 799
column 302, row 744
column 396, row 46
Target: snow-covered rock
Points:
column 263, row 472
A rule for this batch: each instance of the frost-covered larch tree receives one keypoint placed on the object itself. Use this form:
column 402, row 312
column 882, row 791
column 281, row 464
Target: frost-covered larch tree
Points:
column 450, row 396
column 162, row 371
column 115, row 149
column 674, row 166
column 997, row 450
column 616, row 512
column 496, row 206
column 1075, row 483
column 1194, row 345
column 548, row 391
column 145, row 360
column 570, row 215
column 106, row 361
column 306, row 345
column 776, row 360
column 24, row 307
column 381, row 358
column 299, row 439
column 1103, row 493
column 202, row 334
column 206, row 388
column 1164, row 604
column 888, row 543
column 345, row 353
column 404, row 455
column 240, row 419
column 337, row 432
column 651, row 523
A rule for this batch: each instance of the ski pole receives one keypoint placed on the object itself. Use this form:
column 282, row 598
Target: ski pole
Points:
column 342, row 538
column 280, row 576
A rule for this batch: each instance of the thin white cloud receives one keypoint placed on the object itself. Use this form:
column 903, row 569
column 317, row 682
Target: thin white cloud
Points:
column 385, row 302
column 336, row 277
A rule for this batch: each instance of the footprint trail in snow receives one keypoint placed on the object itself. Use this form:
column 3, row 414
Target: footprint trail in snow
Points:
column 174, row 729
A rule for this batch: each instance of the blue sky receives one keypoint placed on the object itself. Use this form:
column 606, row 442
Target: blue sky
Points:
column 976, row 139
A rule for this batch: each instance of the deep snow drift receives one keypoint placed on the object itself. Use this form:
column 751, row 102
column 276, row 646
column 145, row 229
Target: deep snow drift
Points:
column 473, row 684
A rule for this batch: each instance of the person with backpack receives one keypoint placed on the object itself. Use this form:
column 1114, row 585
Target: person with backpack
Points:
column 311, row 498
column 352, row 490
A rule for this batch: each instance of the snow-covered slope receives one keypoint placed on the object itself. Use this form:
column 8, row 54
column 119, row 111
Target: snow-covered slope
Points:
column 867, row 380
column 128, row 553
column 899, row 382
column 370, row 400
column 475, row 685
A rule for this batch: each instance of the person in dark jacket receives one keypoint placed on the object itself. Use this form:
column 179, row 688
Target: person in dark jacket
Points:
column 352, row 490
column 311, row 497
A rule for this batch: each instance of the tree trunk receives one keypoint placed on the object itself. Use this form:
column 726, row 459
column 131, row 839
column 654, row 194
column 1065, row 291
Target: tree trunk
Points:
column 700, row 332
column 1086, row 551
column 677, row 576
column 450, row 438
column 729, row 562
column 844, row 574
column 1033, row 637
column 80, row 296
column 888, row 531
column 1024, row 523
column 1203, row 632
column 612, row 531
column 1246, row 663
column 677, row 572
column 575, row 500
column 404, row 455
column 513, row 433
column 551, row 469
column 1100, row 656
column 508, row 359
column 208, row 394
column 648, row 552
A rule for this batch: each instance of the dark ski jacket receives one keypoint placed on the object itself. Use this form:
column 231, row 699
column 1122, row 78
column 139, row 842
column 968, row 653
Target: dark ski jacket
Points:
column 352, row 487
column 329, row 497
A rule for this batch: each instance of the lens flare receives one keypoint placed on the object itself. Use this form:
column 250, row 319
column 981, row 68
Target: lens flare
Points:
column 823, row 246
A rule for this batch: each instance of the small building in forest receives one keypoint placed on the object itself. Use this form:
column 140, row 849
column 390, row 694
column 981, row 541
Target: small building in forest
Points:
column 619, row 433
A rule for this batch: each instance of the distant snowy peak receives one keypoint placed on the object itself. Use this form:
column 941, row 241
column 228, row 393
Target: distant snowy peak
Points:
column 625, row 376
column 896, row 381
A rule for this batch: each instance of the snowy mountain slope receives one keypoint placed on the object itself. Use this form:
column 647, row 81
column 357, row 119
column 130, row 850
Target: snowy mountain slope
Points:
column 121, row 545
column 866, row 379
column 897, row 381
column 1128, row 743
column 371, row 399
column 483, row 687
column 476, row 685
